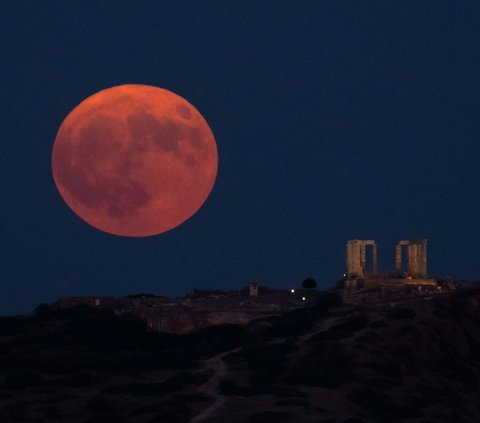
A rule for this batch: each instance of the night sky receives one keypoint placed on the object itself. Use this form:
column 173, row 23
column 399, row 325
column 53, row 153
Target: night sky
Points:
column 333, row 119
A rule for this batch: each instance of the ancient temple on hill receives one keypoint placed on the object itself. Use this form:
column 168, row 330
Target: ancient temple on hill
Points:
column 363, row 274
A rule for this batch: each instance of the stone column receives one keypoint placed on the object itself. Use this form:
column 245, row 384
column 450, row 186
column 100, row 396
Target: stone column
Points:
column 374, row 258
column 412, row 259
column 354, row 258
column 398, row 258
column 363, row 256
column 349, row 258
column 416, row 258
column 424, row 258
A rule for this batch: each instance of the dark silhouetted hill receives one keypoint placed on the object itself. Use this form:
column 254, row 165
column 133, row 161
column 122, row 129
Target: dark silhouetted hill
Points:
column 412, row 361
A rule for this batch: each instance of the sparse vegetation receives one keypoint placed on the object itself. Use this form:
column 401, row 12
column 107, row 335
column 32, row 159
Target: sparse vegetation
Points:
column 43, row 311
column 377, row 324
column 398, row 313
column 327, row 301
column 295, row 323
column 379, row 404
column 309, row 283
column 271, row 416
column 344, row 329
column 328, row 365
column 268, row 357
column 22, row 378
column 366, row 355
column 172, row 384
column 100, row 404
column 293, row 402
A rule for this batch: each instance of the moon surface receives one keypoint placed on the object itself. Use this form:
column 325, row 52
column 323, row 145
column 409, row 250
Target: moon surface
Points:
column 134, row 160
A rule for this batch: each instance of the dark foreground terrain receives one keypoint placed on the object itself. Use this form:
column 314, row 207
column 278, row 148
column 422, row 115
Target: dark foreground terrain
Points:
column 415, row 361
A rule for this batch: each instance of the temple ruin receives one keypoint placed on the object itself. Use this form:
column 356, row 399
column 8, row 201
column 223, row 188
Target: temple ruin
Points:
column 362, row 265
column 416, row 258
column 356, row 257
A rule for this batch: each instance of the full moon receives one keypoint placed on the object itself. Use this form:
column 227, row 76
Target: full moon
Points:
column 134, row 160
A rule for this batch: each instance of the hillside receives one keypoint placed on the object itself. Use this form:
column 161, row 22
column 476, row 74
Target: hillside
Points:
column 415, row 361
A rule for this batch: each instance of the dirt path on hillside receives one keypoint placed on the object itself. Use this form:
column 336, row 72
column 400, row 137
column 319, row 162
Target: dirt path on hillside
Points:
column 211, row 387
column 216, row 363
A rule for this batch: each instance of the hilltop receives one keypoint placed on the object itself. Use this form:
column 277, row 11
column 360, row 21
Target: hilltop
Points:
column 416, row 360
column 201, row 308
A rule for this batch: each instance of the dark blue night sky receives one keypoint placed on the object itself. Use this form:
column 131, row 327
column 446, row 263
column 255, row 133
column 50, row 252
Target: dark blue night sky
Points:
column 333, row 119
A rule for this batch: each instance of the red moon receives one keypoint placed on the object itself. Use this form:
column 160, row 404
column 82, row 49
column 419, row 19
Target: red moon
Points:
column 134, row 160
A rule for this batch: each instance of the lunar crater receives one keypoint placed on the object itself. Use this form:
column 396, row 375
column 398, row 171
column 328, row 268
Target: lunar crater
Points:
column 98, row 139
column 125, row 199
column 184, row 111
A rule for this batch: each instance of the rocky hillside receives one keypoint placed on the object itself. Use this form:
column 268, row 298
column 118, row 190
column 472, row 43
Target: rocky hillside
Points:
column 415, row 361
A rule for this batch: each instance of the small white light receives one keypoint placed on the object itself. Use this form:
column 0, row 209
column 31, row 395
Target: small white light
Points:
column 303, row 298
column 293, row 291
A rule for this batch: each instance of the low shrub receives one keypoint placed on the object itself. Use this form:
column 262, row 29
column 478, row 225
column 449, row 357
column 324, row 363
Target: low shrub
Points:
column 172, row 384
column 197, row 397
column 229, row 387
column 344, row 329
column 398, row 313
column 378, row 403
column 267, row 357
column 293, row 402
column 327, row 366
column 271, row 416
column 81, row 378
column 100, row 404
column 15, row 411
column 21, row 379
column 214, row 340
column 405, row 330
column 10, row 326
column 294, row 323
column 377, row 324
column 386, row 368
column 328, row 300
column 43, row 311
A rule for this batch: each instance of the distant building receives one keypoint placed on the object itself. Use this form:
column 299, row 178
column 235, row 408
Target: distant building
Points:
column 212, row 293
column 70, row 302
column 253, row 289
